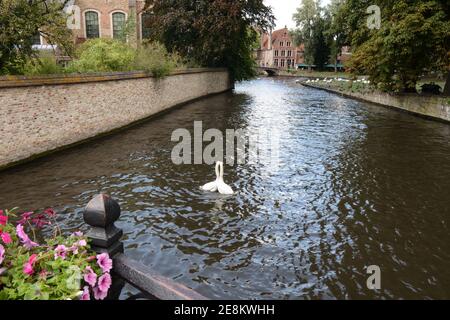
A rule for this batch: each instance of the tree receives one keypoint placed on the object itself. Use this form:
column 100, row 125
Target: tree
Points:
column 305, row 19
column 414, row 39
column 321, row 49
column 335, row 31
column 20, row 21
column 213, row 33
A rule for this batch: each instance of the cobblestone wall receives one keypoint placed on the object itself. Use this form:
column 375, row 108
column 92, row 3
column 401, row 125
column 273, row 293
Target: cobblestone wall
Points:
column 38, row 118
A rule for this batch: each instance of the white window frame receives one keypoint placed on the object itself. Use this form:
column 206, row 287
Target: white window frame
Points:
column 111, row 20
column 43, row 46
column 99, row 22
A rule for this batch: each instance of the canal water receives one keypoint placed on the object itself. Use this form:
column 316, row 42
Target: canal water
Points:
column 358, row 185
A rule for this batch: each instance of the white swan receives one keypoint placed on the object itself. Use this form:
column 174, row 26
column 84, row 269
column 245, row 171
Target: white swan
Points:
column 212, row 186
column 219, row 184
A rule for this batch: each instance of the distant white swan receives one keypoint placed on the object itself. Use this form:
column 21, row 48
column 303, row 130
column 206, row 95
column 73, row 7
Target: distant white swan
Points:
column 212, row 186
column 219, row 184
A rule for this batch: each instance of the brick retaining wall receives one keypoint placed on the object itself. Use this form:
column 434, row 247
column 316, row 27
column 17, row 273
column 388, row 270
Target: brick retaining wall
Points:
column 432, row 107
column 41, row 114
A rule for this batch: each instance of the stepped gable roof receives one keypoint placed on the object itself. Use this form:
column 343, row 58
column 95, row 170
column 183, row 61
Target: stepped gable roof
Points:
column 278, row 33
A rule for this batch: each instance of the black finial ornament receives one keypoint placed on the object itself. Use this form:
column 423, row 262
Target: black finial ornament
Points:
column 101, row 213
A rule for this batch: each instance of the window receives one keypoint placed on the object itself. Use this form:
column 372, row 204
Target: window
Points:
column 282, row 63
column 92, row 25
column 276, row 62
column 283, row 53
column 289, row 53
column 36, row 39
column 146, row 31
column 281, row 43
column 118, row 25
column 288, row 44
column 276, row 53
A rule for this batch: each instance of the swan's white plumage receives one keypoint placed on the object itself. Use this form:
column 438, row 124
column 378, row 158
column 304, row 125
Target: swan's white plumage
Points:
column 212, row 186
column 219, row 184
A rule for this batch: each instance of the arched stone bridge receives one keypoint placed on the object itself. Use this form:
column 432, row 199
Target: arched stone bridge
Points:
column 270, row 71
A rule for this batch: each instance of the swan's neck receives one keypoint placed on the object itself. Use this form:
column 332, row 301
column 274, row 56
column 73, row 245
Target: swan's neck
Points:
column 221, row 171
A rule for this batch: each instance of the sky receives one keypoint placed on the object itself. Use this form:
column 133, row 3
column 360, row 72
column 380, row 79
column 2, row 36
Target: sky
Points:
column 284, row 9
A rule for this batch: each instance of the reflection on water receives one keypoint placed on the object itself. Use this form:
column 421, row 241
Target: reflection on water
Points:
column 358, row 185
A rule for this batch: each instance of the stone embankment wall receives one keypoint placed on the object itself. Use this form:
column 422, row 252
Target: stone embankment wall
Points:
column 432, row 107
column 43, row 114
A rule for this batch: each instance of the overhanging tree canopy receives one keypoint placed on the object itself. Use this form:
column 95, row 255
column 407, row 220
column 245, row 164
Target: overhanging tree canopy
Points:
column 21, row 20
column 414, row 39
column 213, row 33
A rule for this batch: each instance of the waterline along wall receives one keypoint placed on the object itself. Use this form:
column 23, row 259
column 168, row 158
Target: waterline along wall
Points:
column 431, row 107
column 42, row 114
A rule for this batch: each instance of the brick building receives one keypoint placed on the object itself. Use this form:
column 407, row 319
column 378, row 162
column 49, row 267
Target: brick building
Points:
column 102, row 19
column 277, row 50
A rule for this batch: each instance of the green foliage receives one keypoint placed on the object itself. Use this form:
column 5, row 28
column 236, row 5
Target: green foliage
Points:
column 42, row 64
column 334, row 30
column 212, row 33
column 306, row 19
column 413, row 40
column 129, row 28
column 103, row 55
column 312, row 24
column 108, row 55
column 53, row 270
column 154, row 58
column 320, row 45
column 20, row 20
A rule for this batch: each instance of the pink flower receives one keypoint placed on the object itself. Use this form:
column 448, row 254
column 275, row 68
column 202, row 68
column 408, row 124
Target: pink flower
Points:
column 74, row 249
column 43, row 274
column 6, row 237
column 77, row 234
column 32, row 259
column 90, row 276
column 104, row 282
column 40, row 221
column 50, row 212
column 3, row 219
column 60, row 252
column 104, row 262
column 85, row 296
column 25, row 217
column 24, row 238
column 28, row 267
column 82, row 243
column 98, row 294
column 2, row 254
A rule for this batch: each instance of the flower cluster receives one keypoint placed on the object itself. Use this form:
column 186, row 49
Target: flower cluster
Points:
column 61, row 268
column 99, row 285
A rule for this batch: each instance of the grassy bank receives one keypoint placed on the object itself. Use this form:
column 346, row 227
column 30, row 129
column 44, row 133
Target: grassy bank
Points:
column 315, row 74
column 346, row 85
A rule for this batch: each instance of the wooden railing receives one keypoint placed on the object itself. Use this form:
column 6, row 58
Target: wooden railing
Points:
column 100, row 214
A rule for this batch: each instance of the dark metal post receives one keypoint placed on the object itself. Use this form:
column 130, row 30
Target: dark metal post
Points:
column 101, row 213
